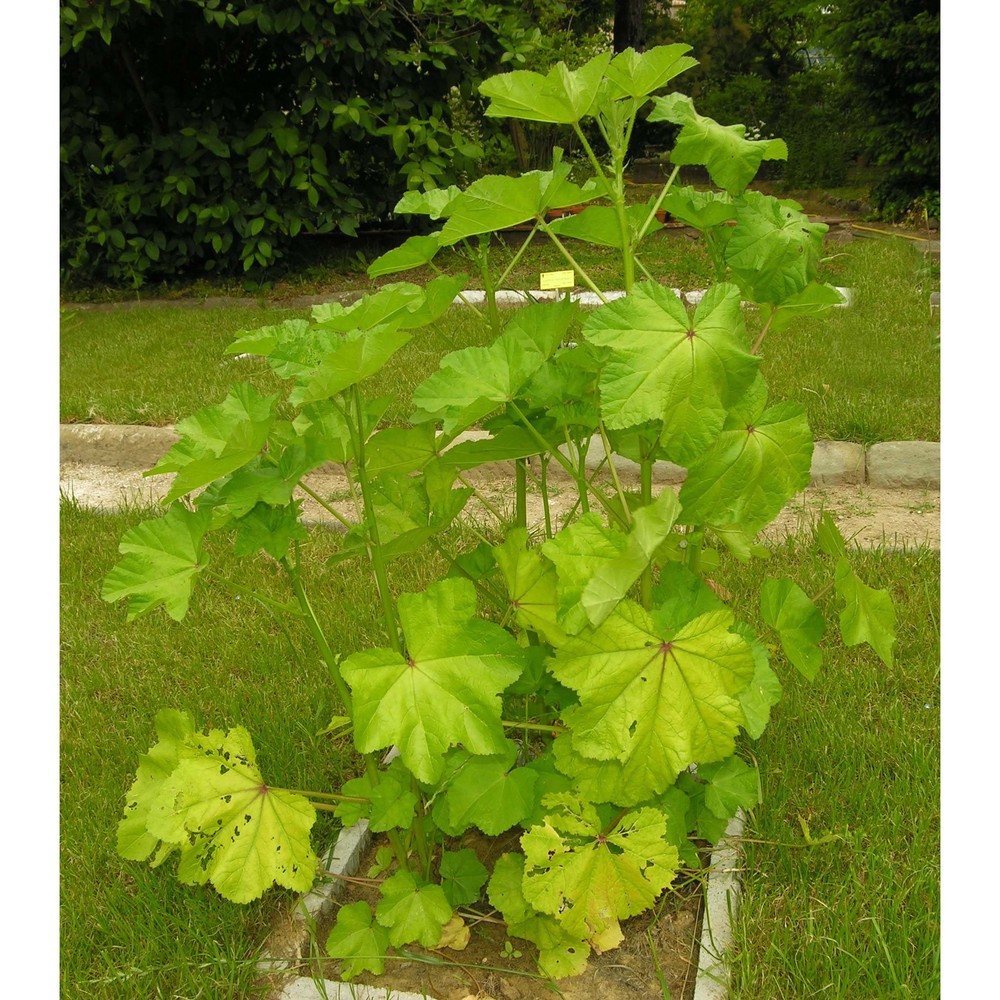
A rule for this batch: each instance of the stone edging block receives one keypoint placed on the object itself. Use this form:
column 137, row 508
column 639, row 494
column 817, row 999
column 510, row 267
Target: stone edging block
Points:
column 837, row 463
column 120, row 446
column 905, row 464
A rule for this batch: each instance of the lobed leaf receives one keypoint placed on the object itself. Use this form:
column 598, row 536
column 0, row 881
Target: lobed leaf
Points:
column 163, row 557
column 868, row 615
column 732, row 161
column 360, row 944
column 666, row 366
column 446, row 690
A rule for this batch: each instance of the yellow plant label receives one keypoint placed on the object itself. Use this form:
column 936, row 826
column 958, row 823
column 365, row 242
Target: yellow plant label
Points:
column 555, row 279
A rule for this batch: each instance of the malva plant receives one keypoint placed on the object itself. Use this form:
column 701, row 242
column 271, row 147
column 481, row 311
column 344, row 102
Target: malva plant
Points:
column 584, row 681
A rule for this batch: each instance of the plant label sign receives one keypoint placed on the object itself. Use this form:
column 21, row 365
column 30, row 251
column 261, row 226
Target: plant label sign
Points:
column 548, row 280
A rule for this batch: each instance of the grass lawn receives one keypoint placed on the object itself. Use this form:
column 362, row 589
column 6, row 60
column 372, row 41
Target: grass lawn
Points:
column 867, row 373
column 128, row 930
column 855, row 755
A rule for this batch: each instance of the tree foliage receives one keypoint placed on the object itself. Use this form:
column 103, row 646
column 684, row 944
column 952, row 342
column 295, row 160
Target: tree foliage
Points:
column 890, row 54
column 206, row 134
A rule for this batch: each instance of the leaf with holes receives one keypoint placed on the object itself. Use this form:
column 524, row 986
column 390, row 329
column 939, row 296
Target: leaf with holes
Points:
column 591, row 876
column 234, row 831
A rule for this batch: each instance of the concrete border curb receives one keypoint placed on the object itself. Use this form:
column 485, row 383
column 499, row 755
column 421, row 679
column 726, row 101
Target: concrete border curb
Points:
column 712, row 980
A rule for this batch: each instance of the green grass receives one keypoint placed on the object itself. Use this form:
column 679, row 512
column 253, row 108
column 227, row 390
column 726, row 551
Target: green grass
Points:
column 855, row 754
column 870, row 372
column 127, row 930
column 867, row 373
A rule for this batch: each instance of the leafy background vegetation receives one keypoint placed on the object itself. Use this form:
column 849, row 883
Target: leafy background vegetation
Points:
column 209, row 136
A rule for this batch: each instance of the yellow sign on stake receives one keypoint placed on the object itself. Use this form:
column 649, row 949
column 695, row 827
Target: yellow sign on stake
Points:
column 555, row 279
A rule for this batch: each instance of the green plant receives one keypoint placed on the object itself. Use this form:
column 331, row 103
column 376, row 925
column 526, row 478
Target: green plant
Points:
column 583, row 681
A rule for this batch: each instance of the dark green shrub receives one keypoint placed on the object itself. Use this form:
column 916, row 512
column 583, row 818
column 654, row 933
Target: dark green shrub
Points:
column 204, row 135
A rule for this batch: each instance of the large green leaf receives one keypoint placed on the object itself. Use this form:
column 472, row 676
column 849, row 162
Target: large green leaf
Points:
column 597, row 564
column 563, row 96
column 475, row 380
column 700, row 209
column 731, row 785
column 414, row 911
column 163, row 557
column 868, row 614
column 415, row 251
column 359, row 944
column 531, row 585
column 599, row 224
column 639, row 74
column 434, row 203
column 463, row 876
column 490, row 793
column 406, row 515
column 731, row 159
column 665, row 365
column 496, row 202
column 217, row 440
column 355, row 356
column 787, row 608
column 445, row 691
column 233, row 830
column 590, row 877
column 773, row 250
column 814, row 300
column 651, row 703
column 401, row 305
column 750, row 472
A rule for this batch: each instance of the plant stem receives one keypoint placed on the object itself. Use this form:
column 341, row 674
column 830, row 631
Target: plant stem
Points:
column 517, row 256
column 646, row 489
column 320, row 795
column 520, row 494
column 330, row 510
column 656, row 205
column 536, row 727
column 544, row 485
column 374, row 545
column 584, row 277
column 763, row 333
column 614, row 474
column 566, row 464
column 318, row 635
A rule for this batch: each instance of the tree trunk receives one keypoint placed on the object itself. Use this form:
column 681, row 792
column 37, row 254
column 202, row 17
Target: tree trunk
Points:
column 630, row 30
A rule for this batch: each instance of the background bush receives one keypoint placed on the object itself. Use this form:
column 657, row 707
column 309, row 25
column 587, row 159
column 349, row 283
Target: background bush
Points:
column 204, row 135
